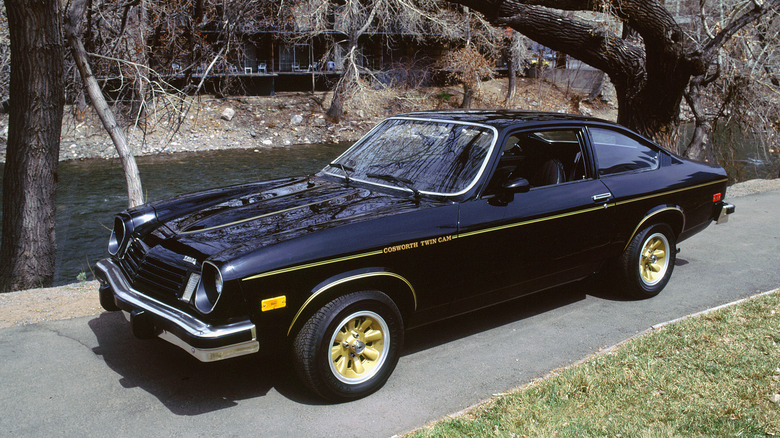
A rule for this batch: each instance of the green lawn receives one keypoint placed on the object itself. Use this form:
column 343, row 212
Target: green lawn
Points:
column 711, row 375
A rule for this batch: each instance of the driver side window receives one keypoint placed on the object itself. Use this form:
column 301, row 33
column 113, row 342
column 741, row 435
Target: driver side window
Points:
column 543, row 157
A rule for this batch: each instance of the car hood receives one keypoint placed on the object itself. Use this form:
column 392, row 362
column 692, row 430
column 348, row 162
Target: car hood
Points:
column 231, row 222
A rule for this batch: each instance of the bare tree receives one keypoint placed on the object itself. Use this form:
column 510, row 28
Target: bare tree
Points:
column 741, row 87
column 343, row 23
column 474, row 61
column 651, row 65
column 5, row 59
column 27, row 252
column 468, row 67
column 72, row 31
column 515, row 53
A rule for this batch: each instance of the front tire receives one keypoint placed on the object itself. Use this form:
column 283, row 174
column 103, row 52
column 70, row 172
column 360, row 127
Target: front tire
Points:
column 350, row 346
column 647, row 263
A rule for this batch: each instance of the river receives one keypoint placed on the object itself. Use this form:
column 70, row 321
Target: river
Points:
column 91, row 192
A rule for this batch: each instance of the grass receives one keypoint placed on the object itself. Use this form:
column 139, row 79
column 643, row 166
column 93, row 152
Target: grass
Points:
column 713, row 375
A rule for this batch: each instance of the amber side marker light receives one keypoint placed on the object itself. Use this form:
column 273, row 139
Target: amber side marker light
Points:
column 273, row 303
column 716, row 197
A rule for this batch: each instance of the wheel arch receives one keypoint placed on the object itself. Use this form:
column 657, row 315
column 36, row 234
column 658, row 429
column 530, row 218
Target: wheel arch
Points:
column 671, row 215
column 394, row 285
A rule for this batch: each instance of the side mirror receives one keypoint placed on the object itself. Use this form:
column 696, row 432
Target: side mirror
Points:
column 518, row 185
column 508, row 190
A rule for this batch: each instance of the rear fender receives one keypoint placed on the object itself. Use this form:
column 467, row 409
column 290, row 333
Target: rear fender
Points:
column 671, row 215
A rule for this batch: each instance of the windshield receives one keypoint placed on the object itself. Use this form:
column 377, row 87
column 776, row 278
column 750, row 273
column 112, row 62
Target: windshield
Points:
column 422, row 156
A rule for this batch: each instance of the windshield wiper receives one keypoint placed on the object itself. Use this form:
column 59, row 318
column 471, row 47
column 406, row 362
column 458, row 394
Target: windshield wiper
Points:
column 406, row 182
column 344, row 169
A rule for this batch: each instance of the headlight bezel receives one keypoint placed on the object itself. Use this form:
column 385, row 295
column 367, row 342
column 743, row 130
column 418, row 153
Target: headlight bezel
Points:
column 210, row 288
column 119, row 236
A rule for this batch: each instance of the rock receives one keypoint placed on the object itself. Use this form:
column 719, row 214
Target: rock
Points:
column 775, row 398
column 297, row 119
column 227, row 114
column 584, row 110
column 268, row 142
column 320, row 121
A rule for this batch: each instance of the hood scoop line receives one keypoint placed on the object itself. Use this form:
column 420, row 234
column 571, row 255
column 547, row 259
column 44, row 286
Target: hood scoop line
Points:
column 194, row 229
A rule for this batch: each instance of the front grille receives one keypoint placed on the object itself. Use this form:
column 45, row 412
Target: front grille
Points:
column 151, row 275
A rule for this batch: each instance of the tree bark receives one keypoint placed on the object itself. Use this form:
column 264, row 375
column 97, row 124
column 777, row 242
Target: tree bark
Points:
column 511, row 67
column 132, row 177
column 468, row 96
column 28, row 250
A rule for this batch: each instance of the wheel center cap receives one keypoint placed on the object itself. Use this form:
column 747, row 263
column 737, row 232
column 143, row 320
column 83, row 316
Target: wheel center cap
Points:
column 358, row 346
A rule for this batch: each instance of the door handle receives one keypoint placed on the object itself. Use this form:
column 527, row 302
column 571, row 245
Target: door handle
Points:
column 601, row 197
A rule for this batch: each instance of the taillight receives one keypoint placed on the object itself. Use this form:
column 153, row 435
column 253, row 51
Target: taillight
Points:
column 717, row 197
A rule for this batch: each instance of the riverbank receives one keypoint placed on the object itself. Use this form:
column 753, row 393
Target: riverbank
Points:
column 287, row 119
column 81, row 299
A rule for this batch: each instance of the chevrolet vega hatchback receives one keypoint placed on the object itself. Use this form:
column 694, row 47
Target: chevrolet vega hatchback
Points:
column 430, row 215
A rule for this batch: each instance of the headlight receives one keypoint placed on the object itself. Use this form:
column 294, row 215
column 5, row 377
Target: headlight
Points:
column 210, row 288
column 118, row 235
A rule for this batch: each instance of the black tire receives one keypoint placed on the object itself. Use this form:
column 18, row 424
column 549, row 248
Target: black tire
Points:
column 646, row 265
column 338, row 365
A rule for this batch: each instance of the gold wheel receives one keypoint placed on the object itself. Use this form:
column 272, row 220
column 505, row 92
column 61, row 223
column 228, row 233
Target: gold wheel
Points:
column 359, row 347
column 654, row 259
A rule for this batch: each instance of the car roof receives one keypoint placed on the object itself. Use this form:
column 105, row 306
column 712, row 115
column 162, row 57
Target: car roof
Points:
column 502, row 119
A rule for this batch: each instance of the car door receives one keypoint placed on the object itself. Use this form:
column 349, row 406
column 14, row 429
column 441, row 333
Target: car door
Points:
column 555, row 233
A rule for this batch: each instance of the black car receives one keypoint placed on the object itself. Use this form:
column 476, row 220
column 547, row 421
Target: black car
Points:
column 430, row 215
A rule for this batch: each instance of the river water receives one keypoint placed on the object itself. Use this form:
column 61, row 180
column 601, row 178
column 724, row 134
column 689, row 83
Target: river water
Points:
column 91, row 192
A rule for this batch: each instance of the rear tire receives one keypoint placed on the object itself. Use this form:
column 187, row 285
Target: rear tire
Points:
column 647, row 263
column 350, row 346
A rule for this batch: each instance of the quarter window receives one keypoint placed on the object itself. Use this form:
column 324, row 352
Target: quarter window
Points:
column 617, row 153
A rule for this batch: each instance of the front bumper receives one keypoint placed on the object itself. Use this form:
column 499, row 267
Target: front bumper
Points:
column 150, row 318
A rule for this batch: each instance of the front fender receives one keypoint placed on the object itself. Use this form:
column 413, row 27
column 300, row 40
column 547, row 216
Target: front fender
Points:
column 396, row 286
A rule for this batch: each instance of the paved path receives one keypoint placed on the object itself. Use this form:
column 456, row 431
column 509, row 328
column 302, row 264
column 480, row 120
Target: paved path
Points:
column 88, row 376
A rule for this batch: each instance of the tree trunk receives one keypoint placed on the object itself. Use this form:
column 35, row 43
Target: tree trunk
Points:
column 348, row 78
column 27, row 253
column 468, row 96
column 137, row 41
column 511, row 66
column 134, row 192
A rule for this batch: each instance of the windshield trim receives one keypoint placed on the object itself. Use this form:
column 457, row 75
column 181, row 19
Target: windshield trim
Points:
column 422, row 119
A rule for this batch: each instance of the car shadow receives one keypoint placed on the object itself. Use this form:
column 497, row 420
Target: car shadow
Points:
column 452, row 329
column 183, row 384
column 189, row 387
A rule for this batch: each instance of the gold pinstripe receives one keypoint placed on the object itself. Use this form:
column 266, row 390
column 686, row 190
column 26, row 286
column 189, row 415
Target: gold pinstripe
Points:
column 628, row 242
column 346, row 280
column 311, row 265
column 487, row 230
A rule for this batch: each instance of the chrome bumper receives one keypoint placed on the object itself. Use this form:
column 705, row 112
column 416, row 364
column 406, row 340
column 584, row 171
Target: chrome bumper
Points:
column 725, row 210
column 150, row 317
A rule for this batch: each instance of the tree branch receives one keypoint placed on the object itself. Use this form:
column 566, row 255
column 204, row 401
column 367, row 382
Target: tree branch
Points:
column 758, row 10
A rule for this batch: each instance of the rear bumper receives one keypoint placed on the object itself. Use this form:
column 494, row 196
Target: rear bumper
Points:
column 722, row 213
column 149, row 318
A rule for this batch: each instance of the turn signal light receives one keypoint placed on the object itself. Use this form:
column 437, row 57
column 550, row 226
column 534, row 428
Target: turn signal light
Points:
column 273, row 303
column 716, row 197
